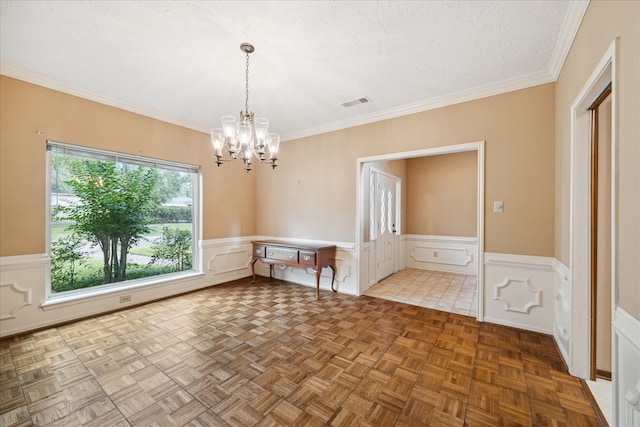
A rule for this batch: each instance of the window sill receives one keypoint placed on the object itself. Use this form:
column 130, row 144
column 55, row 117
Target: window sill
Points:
column 109, row 291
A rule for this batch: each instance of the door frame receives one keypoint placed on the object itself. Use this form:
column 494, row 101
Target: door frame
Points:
column 579, row 223
column 362, row 267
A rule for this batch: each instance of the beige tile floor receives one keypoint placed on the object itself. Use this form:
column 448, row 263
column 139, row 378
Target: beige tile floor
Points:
column 450, row 292
column 601, row 391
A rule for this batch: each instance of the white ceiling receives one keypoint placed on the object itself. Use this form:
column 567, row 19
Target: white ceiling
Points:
column 180, row 61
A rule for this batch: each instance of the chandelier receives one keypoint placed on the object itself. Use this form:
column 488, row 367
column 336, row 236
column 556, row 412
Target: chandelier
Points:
column 247, row 138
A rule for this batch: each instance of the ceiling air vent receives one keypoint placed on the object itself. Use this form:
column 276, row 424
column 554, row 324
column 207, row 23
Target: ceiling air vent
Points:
column 356, row 102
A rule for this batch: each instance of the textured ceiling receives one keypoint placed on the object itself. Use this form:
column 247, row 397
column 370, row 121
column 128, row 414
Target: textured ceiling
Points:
column 180, row 60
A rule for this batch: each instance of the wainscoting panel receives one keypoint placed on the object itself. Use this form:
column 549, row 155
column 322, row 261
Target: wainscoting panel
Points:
column 442, row 253
column 519, row 291
column 227, row 261
column 12, row 299
column 626, row 368
column 368, row 266
column 562, row 310
column 400, row 255
column 25, row 305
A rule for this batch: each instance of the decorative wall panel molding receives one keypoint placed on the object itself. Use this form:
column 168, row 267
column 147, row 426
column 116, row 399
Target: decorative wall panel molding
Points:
column 441, row 253
column 523, row 290
column 430, row 253
column 229, row 261
column 343, row 268
column 12, row 298
column 626, row 368
column 516, row 289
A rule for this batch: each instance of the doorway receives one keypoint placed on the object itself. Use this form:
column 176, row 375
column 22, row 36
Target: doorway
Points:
column 580, row 237
column 583, row 301
column 600, row 251
column 365, row 253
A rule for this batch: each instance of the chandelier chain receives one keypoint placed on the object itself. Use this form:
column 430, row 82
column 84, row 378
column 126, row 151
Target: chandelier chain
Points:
column 246, row 101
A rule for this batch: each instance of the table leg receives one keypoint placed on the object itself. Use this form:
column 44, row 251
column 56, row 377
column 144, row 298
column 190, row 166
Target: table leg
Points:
column 333, row 277
column 253, row 272
column 318, row 272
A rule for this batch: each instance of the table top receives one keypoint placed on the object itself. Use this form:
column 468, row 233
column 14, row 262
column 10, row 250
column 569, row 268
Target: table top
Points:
column 284, row 244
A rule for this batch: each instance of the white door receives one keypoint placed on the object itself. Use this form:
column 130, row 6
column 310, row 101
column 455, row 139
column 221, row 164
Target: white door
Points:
column 385, row 219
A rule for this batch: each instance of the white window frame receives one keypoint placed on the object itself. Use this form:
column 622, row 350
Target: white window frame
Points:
column 100, row 154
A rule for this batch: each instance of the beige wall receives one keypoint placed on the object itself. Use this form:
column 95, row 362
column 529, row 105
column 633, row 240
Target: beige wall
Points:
column 602, row 23
column 442, row 194
column 312, row 195
column 228, row 210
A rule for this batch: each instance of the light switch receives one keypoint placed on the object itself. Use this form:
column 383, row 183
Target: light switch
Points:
column 497, row 206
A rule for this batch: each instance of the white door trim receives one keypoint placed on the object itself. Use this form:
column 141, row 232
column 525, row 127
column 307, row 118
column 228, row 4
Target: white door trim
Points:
column 448, row 149
column 604, row 73
column 579, row 234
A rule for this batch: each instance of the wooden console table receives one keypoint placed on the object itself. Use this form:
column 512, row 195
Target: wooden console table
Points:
column 315, row 257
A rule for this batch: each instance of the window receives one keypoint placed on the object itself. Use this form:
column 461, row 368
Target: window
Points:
column 116, row 218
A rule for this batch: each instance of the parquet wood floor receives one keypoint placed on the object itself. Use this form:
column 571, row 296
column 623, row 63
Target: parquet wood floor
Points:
column 273, row 355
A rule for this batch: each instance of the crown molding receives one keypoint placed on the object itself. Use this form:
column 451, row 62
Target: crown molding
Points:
column 466, row 95
column 29, row 76
column 570, row 26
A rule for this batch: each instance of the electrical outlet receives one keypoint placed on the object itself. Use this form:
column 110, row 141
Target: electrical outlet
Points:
column 125, row 298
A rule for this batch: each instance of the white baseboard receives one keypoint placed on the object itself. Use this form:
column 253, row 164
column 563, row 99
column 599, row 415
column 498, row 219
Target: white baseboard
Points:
column 517, row 325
